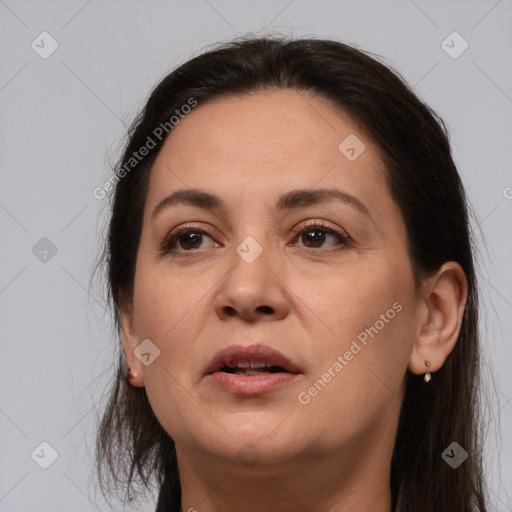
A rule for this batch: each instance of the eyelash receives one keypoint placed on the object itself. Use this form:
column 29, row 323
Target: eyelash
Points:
column 168, row 243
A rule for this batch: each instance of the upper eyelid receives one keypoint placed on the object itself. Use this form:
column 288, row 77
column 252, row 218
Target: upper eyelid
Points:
column 299, row 228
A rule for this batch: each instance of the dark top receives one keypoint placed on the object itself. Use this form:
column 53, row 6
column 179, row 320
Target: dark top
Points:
column 168, row 503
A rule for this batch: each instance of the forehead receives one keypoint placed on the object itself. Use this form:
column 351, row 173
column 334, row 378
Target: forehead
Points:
column 258, row 125
column 264, row 142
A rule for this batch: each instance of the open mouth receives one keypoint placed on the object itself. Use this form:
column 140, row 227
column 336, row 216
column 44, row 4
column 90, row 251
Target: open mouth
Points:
column 252, row 371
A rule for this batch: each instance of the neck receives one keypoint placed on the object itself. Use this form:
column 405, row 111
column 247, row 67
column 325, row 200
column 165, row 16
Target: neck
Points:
column 357, row 477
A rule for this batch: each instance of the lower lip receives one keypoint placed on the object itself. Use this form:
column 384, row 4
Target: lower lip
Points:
column 251, row 384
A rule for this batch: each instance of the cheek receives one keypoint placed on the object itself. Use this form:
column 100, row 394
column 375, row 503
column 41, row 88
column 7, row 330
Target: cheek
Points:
column 367, row 323
column 165, row 305
column 167, row 313
column 370, row 301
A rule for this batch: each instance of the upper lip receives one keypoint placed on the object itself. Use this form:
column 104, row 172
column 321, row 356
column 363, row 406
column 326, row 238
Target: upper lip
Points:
column 258, row 355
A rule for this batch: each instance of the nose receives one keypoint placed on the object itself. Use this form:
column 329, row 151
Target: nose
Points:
column 253, row 291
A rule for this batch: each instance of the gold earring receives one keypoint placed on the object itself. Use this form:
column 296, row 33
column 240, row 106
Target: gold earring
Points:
column 130, row 374
column 427, row 375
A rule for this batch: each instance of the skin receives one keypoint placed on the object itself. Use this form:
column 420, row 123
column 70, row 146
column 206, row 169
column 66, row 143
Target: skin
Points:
column 309, row 301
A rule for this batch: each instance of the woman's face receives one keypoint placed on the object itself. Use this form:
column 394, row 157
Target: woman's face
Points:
column 253, row 267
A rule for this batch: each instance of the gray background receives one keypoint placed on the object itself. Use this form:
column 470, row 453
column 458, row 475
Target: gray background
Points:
column 62, row 121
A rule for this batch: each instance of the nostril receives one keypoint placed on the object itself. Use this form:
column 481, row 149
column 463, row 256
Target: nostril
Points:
column 230, row 311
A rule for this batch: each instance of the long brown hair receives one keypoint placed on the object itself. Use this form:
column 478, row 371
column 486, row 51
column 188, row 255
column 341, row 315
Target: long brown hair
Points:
column 133, row 449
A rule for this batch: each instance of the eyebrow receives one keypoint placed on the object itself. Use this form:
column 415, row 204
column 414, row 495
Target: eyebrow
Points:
column 289, row 201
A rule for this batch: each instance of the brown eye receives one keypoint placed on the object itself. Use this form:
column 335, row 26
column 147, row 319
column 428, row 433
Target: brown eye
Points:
column 190, row 240
column 184, row 239
column 314, row 236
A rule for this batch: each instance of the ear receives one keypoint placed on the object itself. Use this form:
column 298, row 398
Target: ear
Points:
column 442, row 302
column 130, row 342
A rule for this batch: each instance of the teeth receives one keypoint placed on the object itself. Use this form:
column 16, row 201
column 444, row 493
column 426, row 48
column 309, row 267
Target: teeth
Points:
column 254, row 368
column 253, row 364
column 251, row 372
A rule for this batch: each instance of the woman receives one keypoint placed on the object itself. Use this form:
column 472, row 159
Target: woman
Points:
column 291, row 270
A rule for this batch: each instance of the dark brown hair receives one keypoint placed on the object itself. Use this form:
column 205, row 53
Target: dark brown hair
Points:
column 132, row 446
